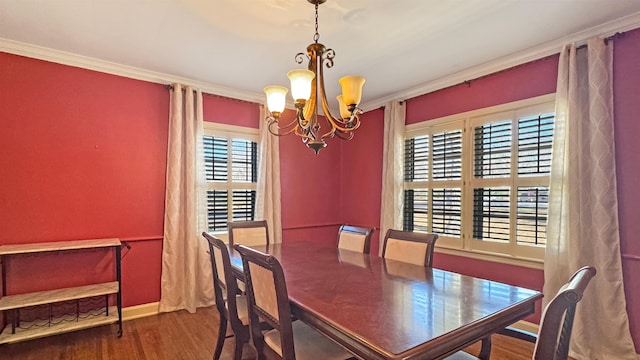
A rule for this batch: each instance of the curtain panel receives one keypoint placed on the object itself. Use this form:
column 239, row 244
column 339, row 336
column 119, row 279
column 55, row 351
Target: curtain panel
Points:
column 392, row 169
column 186, row 281
column 268, row 199
column 583, row 208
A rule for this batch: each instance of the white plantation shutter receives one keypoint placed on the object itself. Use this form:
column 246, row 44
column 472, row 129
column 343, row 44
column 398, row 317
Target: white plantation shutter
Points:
column 492, row 150
column 217, row 214
column 446, row 218
column 533, row 207
column 481, row 182
column 491, row 214
column 431, row 202
column 216, row 157
column 535, row 135
column 231, row 168
column 416, row 169
column 416, row 159
column 244, row 203
column 447, row 155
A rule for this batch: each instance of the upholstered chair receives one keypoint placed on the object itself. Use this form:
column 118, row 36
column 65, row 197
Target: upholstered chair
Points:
column 267, row 299
column 552, row 342
column 355, row 238
column 231, row 306
column 249, row 233
column 411, row 247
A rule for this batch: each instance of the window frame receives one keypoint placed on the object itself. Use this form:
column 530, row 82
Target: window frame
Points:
column 466, row 245
column 229, row 132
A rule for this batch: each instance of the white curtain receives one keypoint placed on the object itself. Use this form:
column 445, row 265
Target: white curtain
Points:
column 268, row 187
column 186, row 271
column 583, row 207
column 392, row 168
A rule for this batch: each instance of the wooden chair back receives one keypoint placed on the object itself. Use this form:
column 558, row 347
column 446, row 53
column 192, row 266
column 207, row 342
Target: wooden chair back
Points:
column 355, row 238
column 225, row 289
column 267, row 299
column 557, row 319
column 412, row 247
column 249, row 233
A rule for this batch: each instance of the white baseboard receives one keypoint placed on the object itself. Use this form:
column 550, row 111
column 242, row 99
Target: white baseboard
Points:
column 138, row 311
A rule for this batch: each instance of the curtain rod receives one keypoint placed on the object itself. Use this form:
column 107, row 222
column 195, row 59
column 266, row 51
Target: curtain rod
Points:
column 607, row 39
column 613, row 37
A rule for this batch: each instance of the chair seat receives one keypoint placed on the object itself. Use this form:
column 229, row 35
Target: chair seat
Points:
column 308, row 344
column 461, row 355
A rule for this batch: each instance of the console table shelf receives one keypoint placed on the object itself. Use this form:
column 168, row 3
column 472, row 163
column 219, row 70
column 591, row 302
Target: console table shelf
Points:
column 58, row 246
column 50, row 296
column 12, row 303
column 6, row 337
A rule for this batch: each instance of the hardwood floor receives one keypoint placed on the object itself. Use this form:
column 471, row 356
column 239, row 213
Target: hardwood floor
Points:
column 173, row 336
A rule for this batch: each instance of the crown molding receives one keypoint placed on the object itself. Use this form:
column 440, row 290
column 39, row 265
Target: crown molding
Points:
column 625, row 23
column 85, row 62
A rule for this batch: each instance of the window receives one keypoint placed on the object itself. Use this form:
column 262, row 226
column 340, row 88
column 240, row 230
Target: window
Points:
column 231, row 173
column 481, row 179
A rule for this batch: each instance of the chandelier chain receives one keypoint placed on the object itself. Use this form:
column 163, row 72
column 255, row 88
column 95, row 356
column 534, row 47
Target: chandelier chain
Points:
column 316, row 37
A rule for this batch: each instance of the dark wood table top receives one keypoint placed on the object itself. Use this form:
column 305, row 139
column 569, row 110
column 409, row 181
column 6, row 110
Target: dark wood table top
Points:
column 384, row 309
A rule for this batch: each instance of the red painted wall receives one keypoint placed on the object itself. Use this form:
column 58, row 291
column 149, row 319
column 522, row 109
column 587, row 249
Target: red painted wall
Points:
column 318, row 191
column 311, row 190
column 521, row 82
column 361, row 175
column 626, row 87
column 82, row 156
column 228, row 111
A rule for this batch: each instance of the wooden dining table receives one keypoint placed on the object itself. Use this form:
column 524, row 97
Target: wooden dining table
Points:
column 385, row 309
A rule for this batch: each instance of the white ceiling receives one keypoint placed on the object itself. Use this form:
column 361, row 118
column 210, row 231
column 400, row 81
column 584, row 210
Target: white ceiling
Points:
column 248, row 44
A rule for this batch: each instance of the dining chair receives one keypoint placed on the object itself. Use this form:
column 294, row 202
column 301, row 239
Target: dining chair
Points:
column 355, row 238
column 267, row 299
column 412, row 247
column 231, row 307
column 250, row 233
column 552, row 343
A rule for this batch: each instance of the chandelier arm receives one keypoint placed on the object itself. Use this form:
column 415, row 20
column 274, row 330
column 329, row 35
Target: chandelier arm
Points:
column 312, row 52
column 320, row 79
column 309, row 109
column 329, row 134
column 345, row 129
column 340, row 132
column 273, row 120
column 295, row 130
column 278, row 129
column 303, row 134
column 293, row 122
column 302, row 121
column 344, row 136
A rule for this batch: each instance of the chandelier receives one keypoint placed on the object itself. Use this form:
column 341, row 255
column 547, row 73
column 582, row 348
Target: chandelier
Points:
column 307, row 87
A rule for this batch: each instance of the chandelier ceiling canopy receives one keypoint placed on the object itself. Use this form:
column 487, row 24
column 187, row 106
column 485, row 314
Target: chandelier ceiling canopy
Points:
column 307, row 90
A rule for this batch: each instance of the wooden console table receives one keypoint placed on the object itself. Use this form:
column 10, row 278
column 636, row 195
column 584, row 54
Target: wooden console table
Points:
column 11, row 304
